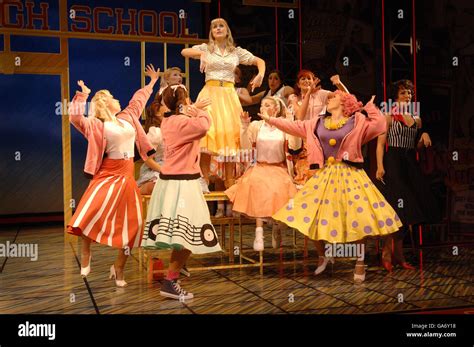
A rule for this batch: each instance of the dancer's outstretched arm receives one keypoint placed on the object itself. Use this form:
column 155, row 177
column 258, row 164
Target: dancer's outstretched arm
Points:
column 336, row 81
column 191, row 53
column 138, row 102
column 77, row 109
column 194, row 53
column 376, row 121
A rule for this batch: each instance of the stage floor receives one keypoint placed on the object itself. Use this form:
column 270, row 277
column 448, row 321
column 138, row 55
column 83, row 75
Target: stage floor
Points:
column 52, row 284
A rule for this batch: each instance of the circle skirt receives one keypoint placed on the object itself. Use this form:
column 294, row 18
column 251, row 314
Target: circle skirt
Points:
column 178, row 218
column 339, row 204
column 262, row 190
column 110, row 211
column 223, row 137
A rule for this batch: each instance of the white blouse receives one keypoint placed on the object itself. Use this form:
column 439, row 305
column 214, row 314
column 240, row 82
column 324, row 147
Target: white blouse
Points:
column 270, row 145
column 221, row 67
column 120, row 140
column 156, row 139
column 317, row 103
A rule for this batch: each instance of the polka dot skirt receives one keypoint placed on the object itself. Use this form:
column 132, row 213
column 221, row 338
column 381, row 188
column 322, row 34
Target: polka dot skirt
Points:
column 339, row 203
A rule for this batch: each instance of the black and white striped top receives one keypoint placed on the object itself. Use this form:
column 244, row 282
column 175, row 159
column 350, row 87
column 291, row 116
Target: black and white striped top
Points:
column 400, row 135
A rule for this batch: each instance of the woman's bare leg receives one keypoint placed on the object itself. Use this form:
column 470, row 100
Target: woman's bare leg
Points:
column 85, row 251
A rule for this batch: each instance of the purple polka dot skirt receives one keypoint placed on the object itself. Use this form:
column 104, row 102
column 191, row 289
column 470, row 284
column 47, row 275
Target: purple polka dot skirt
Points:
column 339, row 204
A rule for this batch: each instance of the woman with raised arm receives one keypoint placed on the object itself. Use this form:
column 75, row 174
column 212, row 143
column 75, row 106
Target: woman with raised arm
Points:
column 339, row 203
column 154, row 116
column 110, row 211
column 266, row 186
column 219, row 57
column 307, row 82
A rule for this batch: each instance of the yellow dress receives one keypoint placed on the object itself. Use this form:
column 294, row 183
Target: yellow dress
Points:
column 223, row 137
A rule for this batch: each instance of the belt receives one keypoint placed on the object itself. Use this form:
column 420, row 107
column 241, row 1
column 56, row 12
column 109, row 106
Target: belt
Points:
column 119, row 155
column 215, row 83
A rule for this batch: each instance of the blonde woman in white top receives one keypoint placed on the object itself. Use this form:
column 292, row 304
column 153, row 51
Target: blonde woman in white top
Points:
column 266, row 186
column 219, row 57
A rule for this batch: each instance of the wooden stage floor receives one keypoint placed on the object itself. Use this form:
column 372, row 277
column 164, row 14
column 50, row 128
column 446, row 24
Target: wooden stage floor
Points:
column 53, row 285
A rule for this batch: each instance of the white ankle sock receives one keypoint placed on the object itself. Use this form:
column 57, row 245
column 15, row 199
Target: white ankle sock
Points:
column 259, row 233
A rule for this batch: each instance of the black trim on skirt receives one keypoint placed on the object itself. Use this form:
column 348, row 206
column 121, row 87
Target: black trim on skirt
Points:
column 183, row 177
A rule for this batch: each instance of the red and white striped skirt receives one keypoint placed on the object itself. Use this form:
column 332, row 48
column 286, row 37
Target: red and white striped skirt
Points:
column 110, row 211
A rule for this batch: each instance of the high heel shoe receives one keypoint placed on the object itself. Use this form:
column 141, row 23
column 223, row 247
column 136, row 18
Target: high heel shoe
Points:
column 113, row 275
column 387, row 265
column 86, row 270
column 358, row 279
column 322, row 267
column 405, row 265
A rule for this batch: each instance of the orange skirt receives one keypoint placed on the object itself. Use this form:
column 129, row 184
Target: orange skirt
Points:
column 110, row 211
column 262, row 190
column 302, row 171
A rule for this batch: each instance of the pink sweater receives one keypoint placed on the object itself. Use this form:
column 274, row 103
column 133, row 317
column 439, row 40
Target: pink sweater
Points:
column 181, row 135
column 365, row 129
column 93, row 128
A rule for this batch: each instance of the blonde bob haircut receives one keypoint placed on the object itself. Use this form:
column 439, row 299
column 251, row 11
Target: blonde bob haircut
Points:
column 167, row 74
column 99, row 107
column 280, row 105
column 229, row 43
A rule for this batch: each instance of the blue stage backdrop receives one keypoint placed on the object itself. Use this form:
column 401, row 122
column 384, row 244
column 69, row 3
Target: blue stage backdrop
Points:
column 31, row 165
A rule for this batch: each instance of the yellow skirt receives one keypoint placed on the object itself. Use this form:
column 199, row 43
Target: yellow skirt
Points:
column 339, row 204
column 223, row 137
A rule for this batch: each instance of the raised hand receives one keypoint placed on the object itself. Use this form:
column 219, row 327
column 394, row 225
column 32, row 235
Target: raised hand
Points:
column 316, row 82
column 335, row 79
column 312, row 88
column 84, row 88
column 152, row 73
column 244, row 117
column 371, row 101
column 264, row 116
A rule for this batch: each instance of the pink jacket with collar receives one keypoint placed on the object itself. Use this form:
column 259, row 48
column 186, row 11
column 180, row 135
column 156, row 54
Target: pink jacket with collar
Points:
column 181, row 135
column 365, row 129
column 93, row 128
